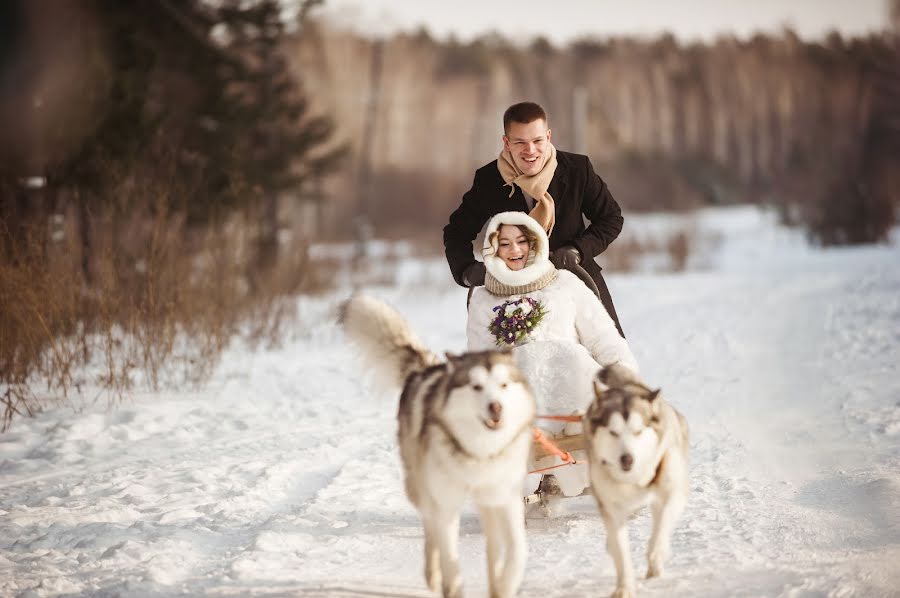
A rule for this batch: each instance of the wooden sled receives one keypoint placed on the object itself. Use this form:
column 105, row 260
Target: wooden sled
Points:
column 561, row 446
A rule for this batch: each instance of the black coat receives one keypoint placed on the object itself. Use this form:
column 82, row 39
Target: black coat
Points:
column 576, row 190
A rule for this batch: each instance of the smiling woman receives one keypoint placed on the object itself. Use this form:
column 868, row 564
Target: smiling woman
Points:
column 514, row 245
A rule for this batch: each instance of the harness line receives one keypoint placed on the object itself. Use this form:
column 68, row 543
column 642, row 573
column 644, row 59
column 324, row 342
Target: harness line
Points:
column 561, row 418
column 554, row 450
column 545, row 442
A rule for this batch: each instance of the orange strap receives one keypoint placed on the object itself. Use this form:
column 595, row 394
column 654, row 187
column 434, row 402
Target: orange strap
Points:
column 554, row 450
column 561, row 418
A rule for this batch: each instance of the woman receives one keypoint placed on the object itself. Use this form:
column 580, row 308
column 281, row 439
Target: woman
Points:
column 558, row 330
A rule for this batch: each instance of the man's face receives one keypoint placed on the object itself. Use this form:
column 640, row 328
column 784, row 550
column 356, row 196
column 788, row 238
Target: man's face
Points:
column 529, row 144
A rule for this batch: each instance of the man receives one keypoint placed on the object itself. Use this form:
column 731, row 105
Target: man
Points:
column 554, row 187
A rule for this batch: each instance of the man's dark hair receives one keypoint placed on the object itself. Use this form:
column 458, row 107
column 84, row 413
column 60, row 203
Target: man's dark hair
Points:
column 523, row 112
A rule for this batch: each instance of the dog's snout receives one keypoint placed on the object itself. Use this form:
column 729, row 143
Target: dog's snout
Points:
column 496, row 409
column 627, row 461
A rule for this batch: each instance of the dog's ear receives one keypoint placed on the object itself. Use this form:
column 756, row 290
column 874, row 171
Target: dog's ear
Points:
column 616, row 375
column 600, row 386
column 451, row 361
column 655, row 404
column 601, row 377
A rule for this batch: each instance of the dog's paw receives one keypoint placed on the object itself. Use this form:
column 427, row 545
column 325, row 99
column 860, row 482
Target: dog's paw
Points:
column 453, row 590
column 655, row 561
column 624, row 592
column 433, row 578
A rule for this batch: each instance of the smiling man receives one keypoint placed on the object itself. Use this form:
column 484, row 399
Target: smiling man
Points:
column 555, row 187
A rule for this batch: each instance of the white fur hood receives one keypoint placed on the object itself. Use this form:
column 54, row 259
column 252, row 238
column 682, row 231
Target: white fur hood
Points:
column 538, row 263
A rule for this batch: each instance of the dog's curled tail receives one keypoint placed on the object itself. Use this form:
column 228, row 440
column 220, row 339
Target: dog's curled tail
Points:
column 388, row 346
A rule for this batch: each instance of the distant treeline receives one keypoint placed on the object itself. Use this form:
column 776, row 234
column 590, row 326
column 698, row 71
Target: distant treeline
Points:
column 811, row 127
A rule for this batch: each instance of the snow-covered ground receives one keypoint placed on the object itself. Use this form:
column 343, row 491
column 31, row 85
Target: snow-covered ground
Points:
column 281, row 477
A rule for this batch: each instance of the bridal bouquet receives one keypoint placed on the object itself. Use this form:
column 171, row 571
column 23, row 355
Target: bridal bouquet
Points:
column 515, row 320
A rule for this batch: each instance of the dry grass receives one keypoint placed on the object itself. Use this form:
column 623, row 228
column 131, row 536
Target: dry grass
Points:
column 39, row 312
column 162, row 304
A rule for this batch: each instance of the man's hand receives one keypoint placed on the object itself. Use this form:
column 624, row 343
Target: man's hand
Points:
column 565, row 257
column 473, row 275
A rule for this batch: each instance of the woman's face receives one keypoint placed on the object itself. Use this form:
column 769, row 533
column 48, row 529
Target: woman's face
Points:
column 513, row 246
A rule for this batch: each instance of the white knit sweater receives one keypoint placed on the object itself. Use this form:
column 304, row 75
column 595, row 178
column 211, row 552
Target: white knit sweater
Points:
column 572, row 341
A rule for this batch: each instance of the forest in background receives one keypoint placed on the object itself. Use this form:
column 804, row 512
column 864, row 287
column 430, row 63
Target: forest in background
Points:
column 165, row 166
column 810, row 127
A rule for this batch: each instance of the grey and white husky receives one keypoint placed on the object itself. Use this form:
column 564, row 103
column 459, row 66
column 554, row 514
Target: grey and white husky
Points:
column 464, row 431
column 638, row 454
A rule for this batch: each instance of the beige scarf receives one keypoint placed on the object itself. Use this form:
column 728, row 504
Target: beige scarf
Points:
column 536, row 186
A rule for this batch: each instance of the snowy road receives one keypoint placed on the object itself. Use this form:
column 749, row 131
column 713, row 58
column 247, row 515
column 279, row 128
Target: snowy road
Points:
column 281, row 478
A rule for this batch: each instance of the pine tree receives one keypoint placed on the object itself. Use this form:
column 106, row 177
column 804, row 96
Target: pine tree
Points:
column 283, row 150
column 190, row 108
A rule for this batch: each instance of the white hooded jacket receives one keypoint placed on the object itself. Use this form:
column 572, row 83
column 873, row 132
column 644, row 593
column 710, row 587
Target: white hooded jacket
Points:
column 576, row 336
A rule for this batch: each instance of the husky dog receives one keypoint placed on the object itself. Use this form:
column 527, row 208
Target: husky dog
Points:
column 464, row 430
column 637, row 451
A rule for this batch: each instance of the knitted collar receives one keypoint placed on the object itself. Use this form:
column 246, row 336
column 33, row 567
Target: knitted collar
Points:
column 495, row 287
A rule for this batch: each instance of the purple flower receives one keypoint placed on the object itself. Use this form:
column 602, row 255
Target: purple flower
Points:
column 515, row 320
